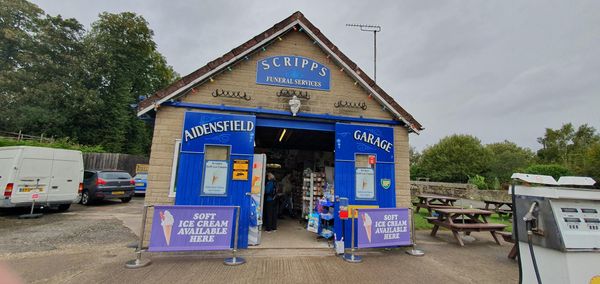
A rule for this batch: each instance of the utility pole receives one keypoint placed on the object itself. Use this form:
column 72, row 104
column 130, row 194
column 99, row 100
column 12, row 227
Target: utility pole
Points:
column 375, row 30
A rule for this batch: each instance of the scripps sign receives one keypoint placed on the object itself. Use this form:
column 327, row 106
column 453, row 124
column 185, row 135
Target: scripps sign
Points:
column 292, row 71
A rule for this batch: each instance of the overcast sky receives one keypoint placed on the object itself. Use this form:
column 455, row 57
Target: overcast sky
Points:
column 494, row 69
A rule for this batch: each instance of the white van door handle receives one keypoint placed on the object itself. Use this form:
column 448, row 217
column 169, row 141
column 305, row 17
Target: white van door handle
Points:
column 55, row 187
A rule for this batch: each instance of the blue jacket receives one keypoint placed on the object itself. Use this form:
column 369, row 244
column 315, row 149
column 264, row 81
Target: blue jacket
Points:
column 270, row 190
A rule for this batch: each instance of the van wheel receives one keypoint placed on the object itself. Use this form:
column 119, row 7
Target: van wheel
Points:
column 126, row 199
column 63, row 207
column 85, row 198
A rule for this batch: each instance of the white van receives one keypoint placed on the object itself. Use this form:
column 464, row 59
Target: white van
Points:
column 54, row 177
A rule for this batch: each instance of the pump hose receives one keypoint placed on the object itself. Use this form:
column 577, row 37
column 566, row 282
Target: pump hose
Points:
column 535, row 267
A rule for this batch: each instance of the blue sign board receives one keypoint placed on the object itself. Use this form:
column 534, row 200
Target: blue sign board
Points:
column 201, row 129
column 352, row 139
column 292, row 71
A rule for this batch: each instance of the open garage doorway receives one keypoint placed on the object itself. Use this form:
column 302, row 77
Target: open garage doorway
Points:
column 302, row 162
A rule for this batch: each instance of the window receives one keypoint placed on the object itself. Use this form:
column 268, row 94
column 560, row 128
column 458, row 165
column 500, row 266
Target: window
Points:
column 174, row 168
column 216, row 170
column 88, row 175
column 115, row 175
column 365, row 178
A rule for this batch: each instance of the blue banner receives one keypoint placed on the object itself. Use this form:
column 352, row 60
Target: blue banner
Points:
column 292, row 71
column 352, row 139
column 201, row 129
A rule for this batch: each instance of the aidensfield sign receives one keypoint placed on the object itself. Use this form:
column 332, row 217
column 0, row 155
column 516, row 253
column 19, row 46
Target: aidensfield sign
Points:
column 292, row 71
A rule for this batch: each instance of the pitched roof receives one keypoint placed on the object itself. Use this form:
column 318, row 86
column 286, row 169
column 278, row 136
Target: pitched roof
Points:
column 187, row 82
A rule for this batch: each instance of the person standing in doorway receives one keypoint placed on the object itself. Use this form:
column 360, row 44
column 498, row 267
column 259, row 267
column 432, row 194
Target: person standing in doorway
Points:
column 284, row 199
column 270, row 204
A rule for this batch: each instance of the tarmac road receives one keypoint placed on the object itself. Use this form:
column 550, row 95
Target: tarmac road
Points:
column 88, row 245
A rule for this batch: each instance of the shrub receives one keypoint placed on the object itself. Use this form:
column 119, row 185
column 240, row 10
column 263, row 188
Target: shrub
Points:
column 556, row 171
column 478, row 181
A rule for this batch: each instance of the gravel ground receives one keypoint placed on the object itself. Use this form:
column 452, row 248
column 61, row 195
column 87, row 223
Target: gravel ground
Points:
column 81, row 226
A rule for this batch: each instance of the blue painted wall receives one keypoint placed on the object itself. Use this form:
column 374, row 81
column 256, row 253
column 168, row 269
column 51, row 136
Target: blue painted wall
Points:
column 345, row 150
column 191, row 161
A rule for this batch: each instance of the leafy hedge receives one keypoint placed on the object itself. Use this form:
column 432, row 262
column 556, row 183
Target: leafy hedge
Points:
column 61, row 144
column 556, row 171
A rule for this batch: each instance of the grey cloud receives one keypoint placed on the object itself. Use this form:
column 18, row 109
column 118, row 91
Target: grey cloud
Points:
column 495, row 69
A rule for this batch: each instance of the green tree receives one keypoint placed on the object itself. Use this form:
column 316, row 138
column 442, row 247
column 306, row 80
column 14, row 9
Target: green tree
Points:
column 41, row 80
column 124, row 65
column 454, row 159
column 413, row 156
column 592, row 162
column 506, row 158
column 567, row 146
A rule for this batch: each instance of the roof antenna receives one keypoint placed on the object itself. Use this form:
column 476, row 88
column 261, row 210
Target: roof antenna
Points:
column 375, row 30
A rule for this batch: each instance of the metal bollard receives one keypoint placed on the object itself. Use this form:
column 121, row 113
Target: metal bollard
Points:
column 351, row 257
column 235, row 260
column 414, row 251
column 138, row 262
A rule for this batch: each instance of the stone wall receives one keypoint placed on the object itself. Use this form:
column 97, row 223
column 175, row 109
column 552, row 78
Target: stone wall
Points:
column 460, row 190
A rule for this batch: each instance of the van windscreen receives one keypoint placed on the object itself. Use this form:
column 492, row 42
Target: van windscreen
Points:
column 115, row 175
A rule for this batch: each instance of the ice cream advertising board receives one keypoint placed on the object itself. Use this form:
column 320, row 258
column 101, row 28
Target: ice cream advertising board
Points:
column 215, row 178
column 365, row 184
column 383, row 227
column 190, row 228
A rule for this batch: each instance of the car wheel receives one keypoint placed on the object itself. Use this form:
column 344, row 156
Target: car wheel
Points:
column 63, row 207
column 85, row 198
column 126, row 199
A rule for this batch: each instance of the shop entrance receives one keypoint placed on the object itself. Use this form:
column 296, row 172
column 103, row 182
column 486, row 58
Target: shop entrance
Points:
column 295, row 156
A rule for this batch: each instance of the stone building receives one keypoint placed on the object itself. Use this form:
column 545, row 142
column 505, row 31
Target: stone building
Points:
column 286, row 92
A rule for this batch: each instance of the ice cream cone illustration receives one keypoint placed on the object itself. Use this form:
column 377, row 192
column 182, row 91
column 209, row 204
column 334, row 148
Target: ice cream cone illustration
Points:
column 364, row 183
column 214, row 178
column 166, row 221
column 367, row 222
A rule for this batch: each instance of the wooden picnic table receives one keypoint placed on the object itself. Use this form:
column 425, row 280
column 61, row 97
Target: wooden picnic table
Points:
column 431, row 201
column 500, row 207
column 464, row 220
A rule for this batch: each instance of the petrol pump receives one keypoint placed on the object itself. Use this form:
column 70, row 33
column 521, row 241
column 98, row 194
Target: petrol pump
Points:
column 557, row 228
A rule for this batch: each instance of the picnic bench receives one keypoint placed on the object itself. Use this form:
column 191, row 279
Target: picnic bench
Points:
column 431, row 202
column 464, row 220
column 508, row 237
column 500, row 207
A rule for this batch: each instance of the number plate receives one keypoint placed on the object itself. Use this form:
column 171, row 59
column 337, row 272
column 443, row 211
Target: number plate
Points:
column 118, row 192
column 139, row 184
column 30, row 189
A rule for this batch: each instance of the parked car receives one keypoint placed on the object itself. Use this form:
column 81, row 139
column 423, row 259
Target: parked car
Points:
column 141, row 181
column 107, row 184
column 53, row 177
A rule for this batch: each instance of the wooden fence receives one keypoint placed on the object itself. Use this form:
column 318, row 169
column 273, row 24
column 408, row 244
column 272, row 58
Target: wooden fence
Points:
column 113, row 161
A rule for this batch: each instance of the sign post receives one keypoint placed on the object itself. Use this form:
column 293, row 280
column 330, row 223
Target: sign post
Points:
column 138, row 262
column 34, row 196
column 235, row 260
column 414, row 251
column 351, row 257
